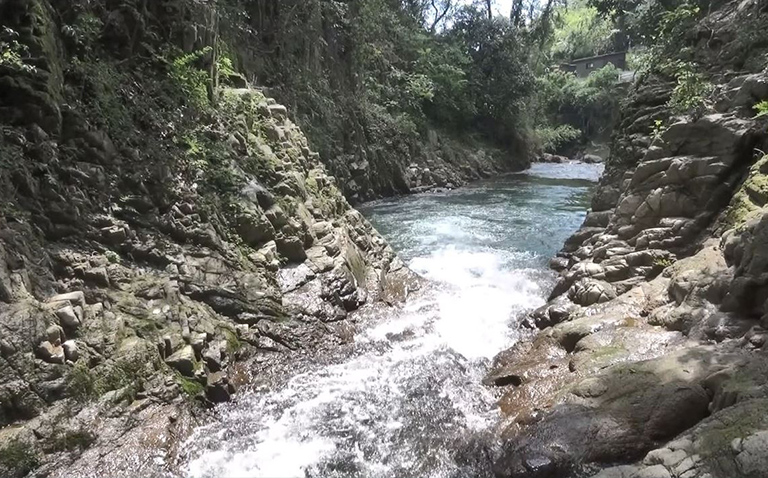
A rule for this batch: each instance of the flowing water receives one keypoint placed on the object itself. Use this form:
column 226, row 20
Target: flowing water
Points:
column 406, row 398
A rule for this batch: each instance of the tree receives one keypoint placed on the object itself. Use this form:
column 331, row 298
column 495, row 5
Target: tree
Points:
column 441, row 9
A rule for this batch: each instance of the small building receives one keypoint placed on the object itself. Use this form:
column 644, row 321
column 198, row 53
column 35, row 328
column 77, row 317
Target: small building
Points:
column 582, row 67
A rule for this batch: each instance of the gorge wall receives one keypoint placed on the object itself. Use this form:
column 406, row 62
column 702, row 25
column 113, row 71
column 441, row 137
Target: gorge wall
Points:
column 651, row 351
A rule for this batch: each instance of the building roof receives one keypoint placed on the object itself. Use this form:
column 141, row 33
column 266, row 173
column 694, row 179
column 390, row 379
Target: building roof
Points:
column 596, row 57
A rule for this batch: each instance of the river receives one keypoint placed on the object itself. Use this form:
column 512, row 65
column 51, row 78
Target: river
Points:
column 406, row 398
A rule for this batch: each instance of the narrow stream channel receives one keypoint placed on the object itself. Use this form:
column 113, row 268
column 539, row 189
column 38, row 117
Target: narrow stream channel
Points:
column 407, row 397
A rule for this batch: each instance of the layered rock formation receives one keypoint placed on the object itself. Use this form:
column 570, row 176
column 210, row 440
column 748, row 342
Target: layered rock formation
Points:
column 440, row 162
column 149, row 245
column 651, row 349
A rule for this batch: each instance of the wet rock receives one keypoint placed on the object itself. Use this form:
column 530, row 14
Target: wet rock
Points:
column 552, row 158
column 218, row 389
column 618, row 418
column 559, row 263
column 556, row 311
column 276, row 216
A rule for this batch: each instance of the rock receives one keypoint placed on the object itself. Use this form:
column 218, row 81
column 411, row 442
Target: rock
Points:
column 68, row 318
column 274, row 133
column 55, row 334
column 292, row 277
column 589, row 291
column 98, row 275
column 321, row 229
column 257, row 193
column 559, row 263
column 184, row 361
column 214, row 356
column 598, row 219
column 591, row 158
column 278, row 112
column 50, row 353
column 71, row 351
column 218, row 389
column 254, row 227
column 291, row 247
column 268, row 256
column 552, row 158
column 276, row 216
column 76, row 298
column 197, row 341
column 114, row 235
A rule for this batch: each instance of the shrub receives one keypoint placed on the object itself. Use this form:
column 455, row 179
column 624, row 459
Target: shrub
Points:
column 13, row 53
column 189, row 78
column 690, row 93
column 550, row 139
column 18, row 459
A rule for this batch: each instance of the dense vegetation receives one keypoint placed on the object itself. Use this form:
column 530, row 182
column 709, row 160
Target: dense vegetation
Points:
column 371, row 80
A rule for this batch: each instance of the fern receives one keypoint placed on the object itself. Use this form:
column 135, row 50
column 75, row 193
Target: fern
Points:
column 761, row 109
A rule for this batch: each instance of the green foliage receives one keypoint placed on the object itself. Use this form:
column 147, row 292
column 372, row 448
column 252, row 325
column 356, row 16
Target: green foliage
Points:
column 553, row 138
column 112, row 257
column 580, row 31
column 81, row 382
column 761, row 109
column 84, row 32
column 85, row 384
column 102, row 90
column 658, row 129
column 18, row 458
column 565, row 104
column 233, row 342
column 691, row 92
column 652, row 23
column 663, row 262
column 192, row 80
column 372, row 74
column 12, row 53
column 500, row 78
column 190, row 387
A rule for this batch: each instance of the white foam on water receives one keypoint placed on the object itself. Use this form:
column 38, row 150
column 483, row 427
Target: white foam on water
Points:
column 411, row 387
column 479, row 298
column 452, row 330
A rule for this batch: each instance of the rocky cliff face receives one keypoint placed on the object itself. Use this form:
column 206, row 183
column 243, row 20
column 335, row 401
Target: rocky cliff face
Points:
column 150, row 244
column 416, row 165
column 651, row 349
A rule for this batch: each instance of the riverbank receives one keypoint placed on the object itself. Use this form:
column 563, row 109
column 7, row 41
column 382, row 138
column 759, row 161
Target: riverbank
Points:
column 650, row 353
